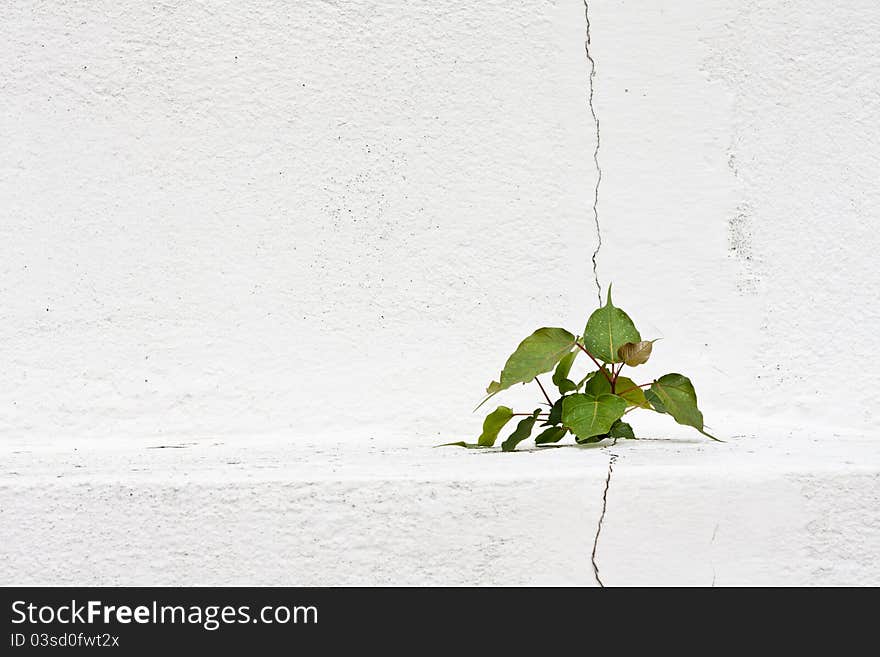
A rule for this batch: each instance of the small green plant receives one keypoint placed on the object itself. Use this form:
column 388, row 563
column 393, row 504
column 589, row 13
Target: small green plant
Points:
column 592, row 409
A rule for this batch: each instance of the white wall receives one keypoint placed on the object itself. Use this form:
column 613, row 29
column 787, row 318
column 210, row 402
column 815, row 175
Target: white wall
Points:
column 334, row 220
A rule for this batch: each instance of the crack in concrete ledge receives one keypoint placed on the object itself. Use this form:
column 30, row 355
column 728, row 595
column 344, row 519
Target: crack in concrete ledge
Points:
column 612, row 458
column 711, row 543
column 595, row 153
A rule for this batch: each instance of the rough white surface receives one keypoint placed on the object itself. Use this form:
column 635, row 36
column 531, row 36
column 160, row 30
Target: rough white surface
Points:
column 278, row 226
column 212, row 213
column 780, row 509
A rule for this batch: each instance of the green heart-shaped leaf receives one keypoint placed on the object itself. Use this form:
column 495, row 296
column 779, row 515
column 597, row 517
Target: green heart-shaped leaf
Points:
column 674, row 394
column 551, row 435
column 555, row 416
column 654, row 401
column 523, row 430
column 621, row 429
column 493, row 423
column 462, row 443
column 591, row 439
column 634, row 396
column 608, row 329
column 560, row 376
column 589, row 416
column 597, row 384
column 538, row 353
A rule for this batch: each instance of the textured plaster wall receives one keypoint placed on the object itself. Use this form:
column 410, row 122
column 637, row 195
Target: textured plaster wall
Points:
column 767, row 510
column 256, row 258
column 333, row 220
column 741, row 161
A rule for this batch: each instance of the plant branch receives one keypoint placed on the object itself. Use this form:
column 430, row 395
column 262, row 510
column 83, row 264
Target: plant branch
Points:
column 616, row 375
column 601, row 367
column 635, row 388
column 546, row 396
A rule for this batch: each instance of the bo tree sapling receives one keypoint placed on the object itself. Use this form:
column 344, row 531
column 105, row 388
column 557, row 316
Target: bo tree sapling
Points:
column 593, row 408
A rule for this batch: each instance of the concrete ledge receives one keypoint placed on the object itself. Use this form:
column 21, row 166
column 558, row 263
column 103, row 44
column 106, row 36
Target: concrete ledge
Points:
column 796, row 510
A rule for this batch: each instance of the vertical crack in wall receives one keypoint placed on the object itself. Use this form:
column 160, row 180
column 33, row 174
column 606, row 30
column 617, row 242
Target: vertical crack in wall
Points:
column 595, row 257
column 595, row 153
column 711, row 543
column 611, row 461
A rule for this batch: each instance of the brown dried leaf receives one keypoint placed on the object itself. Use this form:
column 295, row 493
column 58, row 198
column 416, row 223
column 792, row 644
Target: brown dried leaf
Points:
column 636, row 353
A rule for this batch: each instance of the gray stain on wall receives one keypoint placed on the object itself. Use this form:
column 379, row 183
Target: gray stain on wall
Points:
column 739, row 246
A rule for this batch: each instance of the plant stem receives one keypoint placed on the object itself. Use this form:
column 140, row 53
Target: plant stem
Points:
column 546, row 396
column 531, row 414
column 635, row 388
column 601, row 367
column 616, row 374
